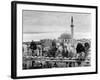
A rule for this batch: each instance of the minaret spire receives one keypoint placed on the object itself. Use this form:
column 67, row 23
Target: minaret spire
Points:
column 72, row 20
column 72, row 27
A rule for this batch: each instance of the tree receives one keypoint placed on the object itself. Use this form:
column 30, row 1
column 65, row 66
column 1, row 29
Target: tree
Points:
column 33, row 45
column 80, row 48
column 53, row 43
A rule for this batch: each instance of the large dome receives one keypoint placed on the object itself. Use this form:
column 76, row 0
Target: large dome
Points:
column 65, row 36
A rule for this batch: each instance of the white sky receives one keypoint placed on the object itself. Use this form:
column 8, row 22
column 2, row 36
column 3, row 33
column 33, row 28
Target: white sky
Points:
column 41, row 24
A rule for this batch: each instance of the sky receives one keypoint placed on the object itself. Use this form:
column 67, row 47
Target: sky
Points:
column 49, row 24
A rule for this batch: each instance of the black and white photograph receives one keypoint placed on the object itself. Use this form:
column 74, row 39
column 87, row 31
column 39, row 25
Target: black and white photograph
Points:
column 56, row 39
column 53, row 39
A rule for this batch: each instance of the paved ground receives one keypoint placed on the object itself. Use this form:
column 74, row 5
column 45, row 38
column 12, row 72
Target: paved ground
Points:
column 33, row 63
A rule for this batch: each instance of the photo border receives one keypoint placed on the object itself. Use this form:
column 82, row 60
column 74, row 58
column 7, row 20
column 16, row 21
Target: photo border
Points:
column 14, row 38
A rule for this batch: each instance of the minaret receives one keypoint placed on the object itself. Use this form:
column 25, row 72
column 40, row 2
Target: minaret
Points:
column 72, row 27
